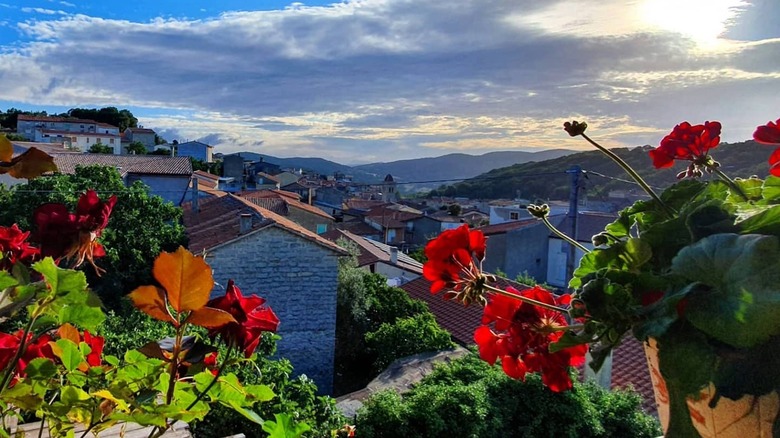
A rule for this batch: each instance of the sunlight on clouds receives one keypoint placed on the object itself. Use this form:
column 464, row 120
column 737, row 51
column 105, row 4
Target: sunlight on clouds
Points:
column 702, row 20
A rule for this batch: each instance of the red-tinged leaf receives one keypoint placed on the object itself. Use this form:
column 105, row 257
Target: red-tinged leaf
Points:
column 151, row 300
column 210, row 317
column 67, row 331
column 153, row 350
column 31, row 164
column 187, row 279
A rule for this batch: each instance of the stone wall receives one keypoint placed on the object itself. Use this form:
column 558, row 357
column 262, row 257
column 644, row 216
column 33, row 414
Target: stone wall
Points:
column 298, row 279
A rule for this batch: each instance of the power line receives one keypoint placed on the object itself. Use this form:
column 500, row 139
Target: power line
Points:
column 628, row 181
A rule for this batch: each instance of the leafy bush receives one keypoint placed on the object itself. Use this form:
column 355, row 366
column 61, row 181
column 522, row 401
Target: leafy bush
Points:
column 406, row 336
column 469, row 398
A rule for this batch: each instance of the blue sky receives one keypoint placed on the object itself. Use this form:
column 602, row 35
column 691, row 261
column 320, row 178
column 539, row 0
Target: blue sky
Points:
column 381, row 80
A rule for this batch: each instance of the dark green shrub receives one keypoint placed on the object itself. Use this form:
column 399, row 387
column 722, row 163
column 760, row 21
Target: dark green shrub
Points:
column 469, row 398
column 406, row 336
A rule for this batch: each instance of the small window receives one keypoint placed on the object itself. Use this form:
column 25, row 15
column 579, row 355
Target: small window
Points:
column 87, row 139
column 111, row 140
column 321, row 228
column 514, row 216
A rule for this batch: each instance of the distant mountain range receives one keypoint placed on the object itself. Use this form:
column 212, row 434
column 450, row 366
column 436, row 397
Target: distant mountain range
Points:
column 547, row 180
column 446, row 168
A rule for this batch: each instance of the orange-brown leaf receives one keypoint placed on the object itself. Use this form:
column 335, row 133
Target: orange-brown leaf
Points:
column 6, row 149
column 151, row 300
column 31, row 164
column 187, row 279
column 67, row 331
column 210, row 317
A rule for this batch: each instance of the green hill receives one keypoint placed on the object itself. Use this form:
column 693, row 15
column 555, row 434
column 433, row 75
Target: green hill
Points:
column 547, row 180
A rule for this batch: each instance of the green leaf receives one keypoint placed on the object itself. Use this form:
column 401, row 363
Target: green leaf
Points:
column 741, row 305
column 60, row 280
column 771, row 190
column 41, row 368
column 284, row 427
column 247, row 413
column 622, row 256
column 760, row 220
column 84, row 315
column 70, row 395
column 69, row 354
column 259, row 393
column 751, row 187
column 7, row 280
column 711, row 218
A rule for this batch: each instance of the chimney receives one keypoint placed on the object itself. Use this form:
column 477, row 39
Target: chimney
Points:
column 393, row 255
column 195, row 196
column 245, row 223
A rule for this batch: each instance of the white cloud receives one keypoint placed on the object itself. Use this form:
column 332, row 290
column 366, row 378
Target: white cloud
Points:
column 359, row 78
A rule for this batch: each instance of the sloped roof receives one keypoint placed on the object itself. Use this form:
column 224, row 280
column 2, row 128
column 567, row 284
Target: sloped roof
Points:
column 505, row 227
column 49, row 148
column 136, row 164
column 290, row 199
column 357, row 227
column 207, row 178
column 459, row 320
column 362, row 204
column 372, row 252
column 217, row 222
column 140, row 130
column 32, row 118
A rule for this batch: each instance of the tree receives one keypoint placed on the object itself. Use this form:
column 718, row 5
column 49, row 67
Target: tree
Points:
column 454, row 209
column 159, row 140
column 141, row 224
column 161, row 151
column 136, row 148
column 100, row 148
column 122, row 119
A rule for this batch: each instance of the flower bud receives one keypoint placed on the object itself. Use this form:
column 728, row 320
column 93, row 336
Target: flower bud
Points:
column 575, row 128
column 539, row 211
column 599, row 239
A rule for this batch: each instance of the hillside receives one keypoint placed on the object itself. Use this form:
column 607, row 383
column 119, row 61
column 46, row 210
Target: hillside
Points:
column 319, row 165
column 523, row 180
column 454, row 166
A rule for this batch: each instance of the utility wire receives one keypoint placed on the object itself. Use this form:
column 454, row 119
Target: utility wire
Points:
column 590, row 172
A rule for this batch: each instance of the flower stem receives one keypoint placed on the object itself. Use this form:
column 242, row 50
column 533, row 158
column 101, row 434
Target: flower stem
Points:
column 632, row 173
column 563, row 236
column 526, row 299
column 730, row 182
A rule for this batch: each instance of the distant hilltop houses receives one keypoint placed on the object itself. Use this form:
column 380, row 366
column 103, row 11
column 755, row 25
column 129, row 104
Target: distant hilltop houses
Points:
column 79, row 135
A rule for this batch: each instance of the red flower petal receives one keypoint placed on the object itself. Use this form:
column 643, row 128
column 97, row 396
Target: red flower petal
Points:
column 768, row 134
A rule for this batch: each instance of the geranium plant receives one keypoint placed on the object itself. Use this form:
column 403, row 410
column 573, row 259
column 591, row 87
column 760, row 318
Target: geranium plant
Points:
column 53, row 368
column 694, row 270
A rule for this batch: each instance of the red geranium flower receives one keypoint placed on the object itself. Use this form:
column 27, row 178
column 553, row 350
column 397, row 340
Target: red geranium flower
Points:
column 96, row 344
column 687, row 142
column 770, row 134
column 10, row 343
column 14, row 247
column 252, row 319
column 522, row 337
column 74, row 235
column 454, row 260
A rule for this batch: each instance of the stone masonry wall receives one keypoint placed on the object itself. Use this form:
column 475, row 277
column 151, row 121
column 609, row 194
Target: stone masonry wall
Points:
column 298, row 279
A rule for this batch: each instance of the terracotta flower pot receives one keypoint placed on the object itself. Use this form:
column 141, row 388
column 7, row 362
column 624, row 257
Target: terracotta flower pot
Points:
column 746, row 417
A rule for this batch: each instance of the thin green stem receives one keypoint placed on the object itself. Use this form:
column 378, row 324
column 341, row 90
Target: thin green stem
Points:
column 730, row 182
column 173, row 371
column 526, row 299
column 632, row 173
column 563, row 236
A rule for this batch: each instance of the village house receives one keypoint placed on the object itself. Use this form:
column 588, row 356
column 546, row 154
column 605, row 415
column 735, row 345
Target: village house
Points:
column 289, row 205
column 167, row 177
column 74, row 133
column 292, row 268
column 194, row 149
column 145, row 136
column 379, row 258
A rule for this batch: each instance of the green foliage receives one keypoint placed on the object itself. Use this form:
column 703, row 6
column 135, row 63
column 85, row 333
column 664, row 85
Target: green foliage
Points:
column 136, row 148
column 100, row 148
column 419, row 255
column 15, row 137
column 161, row 151
column 406, row 336
column 122, row 119
column 141, row 224
column 469, row 398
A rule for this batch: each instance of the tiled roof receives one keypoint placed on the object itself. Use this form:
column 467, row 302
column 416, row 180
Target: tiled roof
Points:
column 505, row 227
column 140, row 130
column 290, row 199
column 268, row 177
column 362, row 204
column 459, row 320
column 372, row 252
column 277, row 205
column 49, row 148
column 217, row 222
column 137, row 164
column 31, row 118
column 357, row 227
column 629, row 368
column 79, row 133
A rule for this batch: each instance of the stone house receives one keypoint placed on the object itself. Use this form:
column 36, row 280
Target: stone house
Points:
column 143, row 135
column 195, row 149
column 379, row 258
column 294, row 269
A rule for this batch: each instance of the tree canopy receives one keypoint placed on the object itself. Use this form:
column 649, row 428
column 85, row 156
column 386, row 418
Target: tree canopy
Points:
column 122, row 119
column 100, row 148
column 141, row 224
column 136, row 148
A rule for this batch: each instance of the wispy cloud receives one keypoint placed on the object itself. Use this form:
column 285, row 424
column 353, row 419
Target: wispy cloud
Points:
column 357, row 79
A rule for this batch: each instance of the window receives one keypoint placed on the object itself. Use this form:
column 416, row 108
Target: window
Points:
column 514, row 216
column 87, row 140
column 111, row 140
column 321, row 228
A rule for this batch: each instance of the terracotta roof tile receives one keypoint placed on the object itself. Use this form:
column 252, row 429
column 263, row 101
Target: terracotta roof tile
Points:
column 138, row 164
column 505, row 227
column 291, row 200
column 372, row 251
column 217, row 222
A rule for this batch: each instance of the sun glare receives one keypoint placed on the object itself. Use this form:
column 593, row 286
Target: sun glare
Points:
column 701, row 20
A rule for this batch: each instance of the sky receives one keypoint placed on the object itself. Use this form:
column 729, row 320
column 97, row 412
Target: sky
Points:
column 381, row 80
